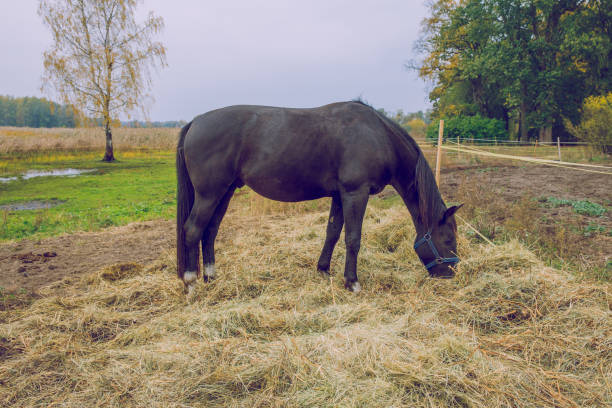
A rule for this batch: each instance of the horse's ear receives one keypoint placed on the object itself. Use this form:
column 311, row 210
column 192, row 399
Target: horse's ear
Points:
column 449, row 213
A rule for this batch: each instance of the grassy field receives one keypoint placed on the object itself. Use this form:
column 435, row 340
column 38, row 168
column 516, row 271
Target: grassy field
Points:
column 140, row 186
column 527, row 322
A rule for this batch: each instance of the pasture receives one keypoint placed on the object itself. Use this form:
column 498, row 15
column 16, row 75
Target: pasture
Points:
column 103, row 321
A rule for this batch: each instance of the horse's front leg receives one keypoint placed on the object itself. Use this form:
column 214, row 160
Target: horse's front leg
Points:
column 334, row 228
column 353, row 207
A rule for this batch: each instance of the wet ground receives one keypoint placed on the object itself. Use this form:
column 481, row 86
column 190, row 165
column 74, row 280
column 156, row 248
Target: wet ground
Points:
column 46, row 173
column 32, row 205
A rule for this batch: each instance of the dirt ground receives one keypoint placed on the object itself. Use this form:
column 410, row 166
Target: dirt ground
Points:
column 31, row 264
column 537, row 181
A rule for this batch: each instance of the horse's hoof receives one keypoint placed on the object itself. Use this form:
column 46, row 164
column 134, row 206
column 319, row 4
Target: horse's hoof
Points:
column 324, row 272
column 354, row 287
column 189, row 289
column 209, row 273
column 189, row 279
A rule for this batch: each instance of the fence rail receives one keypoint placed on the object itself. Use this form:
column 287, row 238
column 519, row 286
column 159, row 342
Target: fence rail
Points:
column 515, row 142
column 461, row 148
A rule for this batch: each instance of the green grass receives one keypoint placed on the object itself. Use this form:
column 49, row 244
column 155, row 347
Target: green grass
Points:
column 593, row 229
column 583, row 207
column 140, row 186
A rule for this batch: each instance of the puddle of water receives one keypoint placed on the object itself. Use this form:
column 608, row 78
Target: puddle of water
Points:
column 64, row 172
column 43, row 173
column 32, row 205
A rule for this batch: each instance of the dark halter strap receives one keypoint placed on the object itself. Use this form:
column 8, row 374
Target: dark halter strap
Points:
column 438, row 260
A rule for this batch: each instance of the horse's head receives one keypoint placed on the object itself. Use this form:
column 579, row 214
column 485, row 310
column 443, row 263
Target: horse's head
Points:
column 437, row 247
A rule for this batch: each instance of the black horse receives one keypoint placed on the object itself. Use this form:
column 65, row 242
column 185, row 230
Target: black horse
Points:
column 345, row 151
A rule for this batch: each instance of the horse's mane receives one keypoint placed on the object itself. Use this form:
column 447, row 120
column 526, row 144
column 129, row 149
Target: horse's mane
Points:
column 431, row 205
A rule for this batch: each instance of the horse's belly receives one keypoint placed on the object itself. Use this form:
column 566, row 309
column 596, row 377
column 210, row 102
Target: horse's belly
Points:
column 280, row 188
column 298, row 181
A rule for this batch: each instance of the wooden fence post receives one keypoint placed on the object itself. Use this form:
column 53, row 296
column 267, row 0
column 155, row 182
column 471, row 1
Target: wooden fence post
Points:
column 439, row 155
column 559, row 148
column 458, row 146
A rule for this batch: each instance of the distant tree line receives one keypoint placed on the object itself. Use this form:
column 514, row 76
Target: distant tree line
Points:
column 154, row 124
column 40, row 112
column 35, row 112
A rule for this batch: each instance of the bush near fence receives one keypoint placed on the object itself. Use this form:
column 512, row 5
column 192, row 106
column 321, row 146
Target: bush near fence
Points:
column 469, row 127
column 595, row 126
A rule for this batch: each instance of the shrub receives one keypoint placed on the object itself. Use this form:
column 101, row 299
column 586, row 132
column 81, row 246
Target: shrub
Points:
column 416, row 127
column 595, row 126
column 469, row 127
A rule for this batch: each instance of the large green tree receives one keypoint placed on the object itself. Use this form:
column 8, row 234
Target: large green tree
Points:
column 101, row 58
column 529, row 61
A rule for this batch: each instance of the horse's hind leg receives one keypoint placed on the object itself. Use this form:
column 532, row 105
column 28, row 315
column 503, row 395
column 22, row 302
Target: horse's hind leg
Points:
column 334, row 228
column 210, row 233
column 201, row 213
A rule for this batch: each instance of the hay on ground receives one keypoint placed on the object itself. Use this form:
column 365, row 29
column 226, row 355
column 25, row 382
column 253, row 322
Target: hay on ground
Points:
column 270, row 331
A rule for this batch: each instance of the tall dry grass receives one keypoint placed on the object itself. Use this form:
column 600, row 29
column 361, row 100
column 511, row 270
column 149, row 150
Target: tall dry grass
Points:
column 269, row 332
column 15, row 139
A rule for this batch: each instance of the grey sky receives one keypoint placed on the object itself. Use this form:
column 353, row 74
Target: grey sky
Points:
column 269, row 52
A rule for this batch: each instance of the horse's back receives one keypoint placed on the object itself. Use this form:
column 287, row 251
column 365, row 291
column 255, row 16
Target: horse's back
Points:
column 290, row 154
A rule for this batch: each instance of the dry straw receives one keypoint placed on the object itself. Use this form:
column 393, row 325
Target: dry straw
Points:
column 507, row 332
column 13, row 139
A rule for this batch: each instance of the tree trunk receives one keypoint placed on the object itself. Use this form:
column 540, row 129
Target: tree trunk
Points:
column 546, row 134
column 523, row 135
column 108, row 153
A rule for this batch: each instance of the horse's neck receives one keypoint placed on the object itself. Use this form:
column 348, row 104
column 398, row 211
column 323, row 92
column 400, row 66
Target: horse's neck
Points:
column 405, row 181
column 411, row 200
column 423, row 200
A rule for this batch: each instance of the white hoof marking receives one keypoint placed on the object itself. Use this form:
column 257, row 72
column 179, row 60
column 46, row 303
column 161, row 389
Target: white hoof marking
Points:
column 190, row 277
column 355, row 287
column 209, row 272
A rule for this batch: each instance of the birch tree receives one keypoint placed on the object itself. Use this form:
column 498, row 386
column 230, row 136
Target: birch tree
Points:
column 101, row 59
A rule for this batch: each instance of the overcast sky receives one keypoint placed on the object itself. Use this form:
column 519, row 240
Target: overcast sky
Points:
column 268, row 52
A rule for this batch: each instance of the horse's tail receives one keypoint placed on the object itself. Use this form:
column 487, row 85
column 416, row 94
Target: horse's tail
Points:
column 184, row 202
